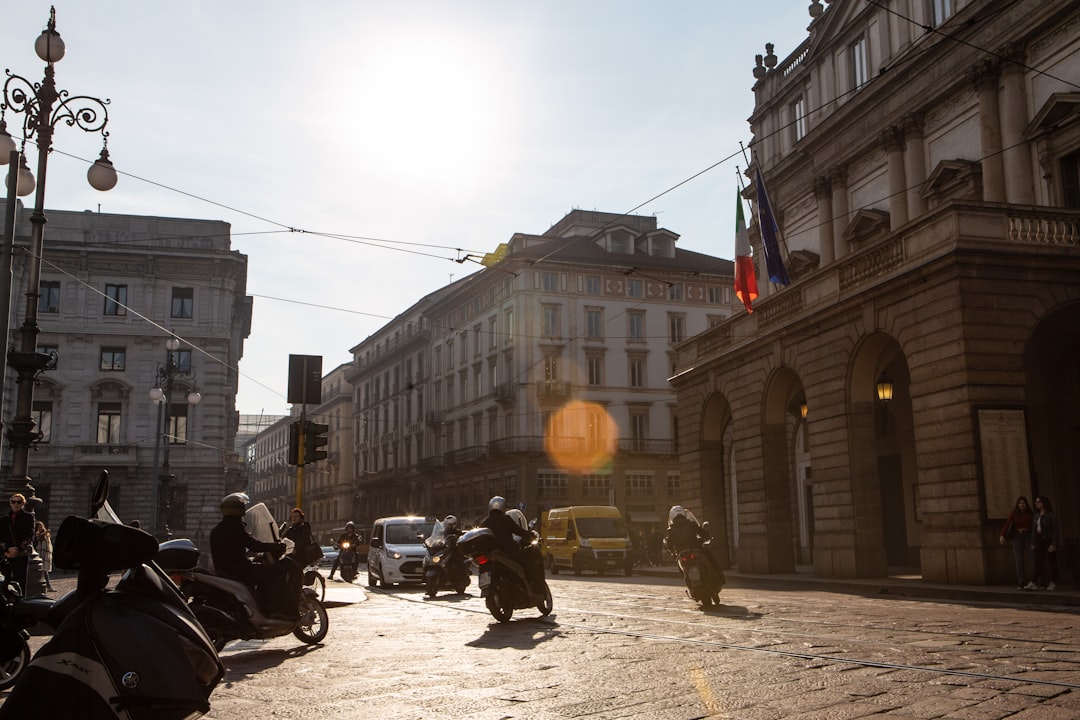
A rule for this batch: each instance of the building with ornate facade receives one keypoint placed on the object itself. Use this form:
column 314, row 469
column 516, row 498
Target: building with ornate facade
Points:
column 114, row 289
column 542, row 377
column 923, row 162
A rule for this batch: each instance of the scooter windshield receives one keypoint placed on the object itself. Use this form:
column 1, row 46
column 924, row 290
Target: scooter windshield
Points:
column 260, row 523
column 437, row 537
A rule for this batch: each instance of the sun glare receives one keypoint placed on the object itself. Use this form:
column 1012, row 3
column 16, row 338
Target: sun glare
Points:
column 580, row 437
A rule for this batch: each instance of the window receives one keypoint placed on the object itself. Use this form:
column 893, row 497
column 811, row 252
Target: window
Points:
column 478, row 382
column 108, row 424
column 182, row 358
column 596, row 486
column 549, row 281
column 551, row 321
column 633, row 288
column 635, row 325
column 42, row 417
column 50, row 296
column 508, row 329
column 677, row 328
column 860, row 65
column 493, row 330
column 596, row 369
column 551, row 367
column 183, row 301
column 596, row 434
column 464, row 345
column 1070, row 180
column 639, row 430
column 637, row 372
column 592, row 285
column 178, row 420
column 940, row 10
column 477, row 340
column 674, row 291
column 639, row 485
column 112, row 358
column 594, row 324
column 176, row 516
column 798, row 119
column 549, row 484
column 116, row 300
column 719, row 295
column 674, row 488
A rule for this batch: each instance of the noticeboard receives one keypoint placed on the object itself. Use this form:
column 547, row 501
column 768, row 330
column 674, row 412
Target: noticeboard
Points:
column 1003, row 452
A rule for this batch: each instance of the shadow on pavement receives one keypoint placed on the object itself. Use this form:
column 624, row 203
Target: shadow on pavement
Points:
column 522, row 634
column 249, row 662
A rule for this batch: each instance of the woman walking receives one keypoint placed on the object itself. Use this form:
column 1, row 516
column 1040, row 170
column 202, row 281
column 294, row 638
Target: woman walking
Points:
column 43, row 546
column 1046, row 539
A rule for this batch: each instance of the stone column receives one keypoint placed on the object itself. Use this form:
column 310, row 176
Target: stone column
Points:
column 893, row 140
column 985, row 76
column 914, row 164
column 840, row 213
column 1016, row 156
column 826, row 246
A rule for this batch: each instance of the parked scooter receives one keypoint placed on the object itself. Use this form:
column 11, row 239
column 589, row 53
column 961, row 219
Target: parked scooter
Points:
column 91, row 668
column 227, row 608
column 445, row 566
column 17, row 615
column 348, row 560
column 503, row 583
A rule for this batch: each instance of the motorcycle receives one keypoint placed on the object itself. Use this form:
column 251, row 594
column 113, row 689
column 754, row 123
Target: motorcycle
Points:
column 227, row 608
column 703, row 583
column 17, row 615
column 503, row 583
column 348, row 561
column 91, row 668
column 445, row 566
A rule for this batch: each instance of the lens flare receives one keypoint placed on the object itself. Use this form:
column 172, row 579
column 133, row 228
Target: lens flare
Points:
column 580, row 437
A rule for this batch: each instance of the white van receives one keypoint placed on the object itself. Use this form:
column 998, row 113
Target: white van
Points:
column 396, row 554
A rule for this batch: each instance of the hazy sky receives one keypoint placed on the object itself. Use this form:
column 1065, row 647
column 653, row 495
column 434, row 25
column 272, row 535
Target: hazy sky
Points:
column 407, row 130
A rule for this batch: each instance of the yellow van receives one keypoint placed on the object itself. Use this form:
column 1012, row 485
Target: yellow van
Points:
column 586, row 537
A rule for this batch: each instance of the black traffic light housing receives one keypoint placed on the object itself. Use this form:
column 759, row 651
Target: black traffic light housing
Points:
column 314, row 442
column 294, row 443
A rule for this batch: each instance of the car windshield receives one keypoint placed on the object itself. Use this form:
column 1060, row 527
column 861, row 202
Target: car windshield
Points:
column 601, row 527
column 328, row 549
column 405, row 533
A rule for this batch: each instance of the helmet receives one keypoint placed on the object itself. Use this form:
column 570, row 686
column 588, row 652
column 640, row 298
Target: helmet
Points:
column 497, row 503
column 678, row 511
column 518, row 517
column 450, row 522
column 350, row 524
column 234, row 505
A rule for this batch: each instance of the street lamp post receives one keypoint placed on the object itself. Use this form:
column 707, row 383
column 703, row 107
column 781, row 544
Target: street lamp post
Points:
column 42, row 107
column 161, row 394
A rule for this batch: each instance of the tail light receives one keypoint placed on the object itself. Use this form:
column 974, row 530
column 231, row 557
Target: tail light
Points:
column 177, row 578
column 481, row 559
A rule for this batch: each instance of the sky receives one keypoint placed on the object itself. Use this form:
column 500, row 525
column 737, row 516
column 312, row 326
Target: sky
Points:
column 359, row 149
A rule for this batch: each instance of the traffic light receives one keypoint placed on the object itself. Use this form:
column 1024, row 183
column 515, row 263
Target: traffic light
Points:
column 294, row 443
column 316, row 439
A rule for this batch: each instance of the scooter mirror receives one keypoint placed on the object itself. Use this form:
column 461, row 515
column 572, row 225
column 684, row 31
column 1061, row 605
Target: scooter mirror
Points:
column 101, row 493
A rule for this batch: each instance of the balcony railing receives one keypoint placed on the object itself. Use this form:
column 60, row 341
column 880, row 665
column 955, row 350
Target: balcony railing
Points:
column 552, row 389
column 635, row 446
column 466, row 454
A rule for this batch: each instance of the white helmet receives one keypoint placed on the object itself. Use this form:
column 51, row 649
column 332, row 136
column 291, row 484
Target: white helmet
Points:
column 676, row 511
column 518, row 517
column 450, row 522
column 497, row 503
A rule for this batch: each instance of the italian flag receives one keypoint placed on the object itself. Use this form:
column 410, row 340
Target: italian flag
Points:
column 745, row 280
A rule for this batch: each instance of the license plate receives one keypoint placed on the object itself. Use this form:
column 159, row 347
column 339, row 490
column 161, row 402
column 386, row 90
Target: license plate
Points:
column 693, row 573
column 609, row 562
column 485, row 579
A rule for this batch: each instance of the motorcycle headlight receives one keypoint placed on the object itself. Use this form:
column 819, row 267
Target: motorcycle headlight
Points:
column 435, row 560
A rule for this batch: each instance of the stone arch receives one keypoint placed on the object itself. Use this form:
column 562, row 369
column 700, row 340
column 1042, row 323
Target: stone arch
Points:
column 781, row 417
column 884, row 478
column 717, row 473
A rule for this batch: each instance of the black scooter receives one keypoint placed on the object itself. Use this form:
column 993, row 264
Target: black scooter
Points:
column 132, row 651
column 503, row 583
column 445, row 567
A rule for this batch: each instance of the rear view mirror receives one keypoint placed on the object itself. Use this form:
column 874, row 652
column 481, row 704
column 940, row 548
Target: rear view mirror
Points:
column 101, row 493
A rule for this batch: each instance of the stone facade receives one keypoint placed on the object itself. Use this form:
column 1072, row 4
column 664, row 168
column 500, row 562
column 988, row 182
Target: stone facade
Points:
column 939, row 200
column 114, row 289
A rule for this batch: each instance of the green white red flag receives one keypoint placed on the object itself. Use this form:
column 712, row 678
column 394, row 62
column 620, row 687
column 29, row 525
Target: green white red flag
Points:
column 745, row 280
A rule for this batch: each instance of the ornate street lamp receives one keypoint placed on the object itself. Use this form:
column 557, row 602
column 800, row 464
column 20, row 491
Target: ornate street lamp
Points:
column 168, row 433
column 42, row 107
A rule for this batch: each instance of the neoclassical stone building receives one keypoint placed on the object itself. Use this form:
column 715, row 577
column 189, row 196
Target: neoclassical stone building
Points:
column 927, row 185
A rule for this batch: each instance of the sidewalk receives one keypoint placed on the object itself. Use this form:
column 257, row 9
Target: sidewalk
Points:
column 897, row 585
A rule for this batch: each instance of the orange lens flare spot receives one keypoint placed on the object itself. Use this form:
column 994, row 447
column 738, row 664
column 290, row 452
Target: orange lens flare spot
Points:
column 580, row 437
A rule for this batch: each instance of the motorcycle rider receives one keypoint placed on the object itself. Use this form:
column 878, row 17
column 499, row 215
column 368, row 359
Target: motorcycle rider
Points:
column 349, row 536
column 684, row 533
column 229, row 544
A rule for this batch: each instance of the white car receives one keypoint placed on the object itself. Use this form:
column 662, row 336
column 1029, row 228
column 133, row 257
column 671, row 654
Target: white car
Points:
column 397, row 549
column 329, row 555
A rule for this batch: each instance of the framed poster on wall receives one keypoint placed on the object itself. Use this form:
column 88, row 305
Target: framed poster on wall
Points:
column 1004, row 457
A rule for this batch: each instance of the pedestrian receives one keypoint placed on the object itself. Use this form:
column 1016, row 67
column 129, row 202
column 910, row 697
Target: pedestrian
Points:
column 17, row 534
column 43, row 545
column 297, row 529
column 1017, row 530
column 1046, row 539
column 656, row 547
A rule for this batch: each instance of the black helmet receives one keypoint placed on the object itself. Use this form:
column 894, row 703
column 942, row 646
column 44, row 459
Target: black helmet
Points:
column 234, row 504
column 497, row 503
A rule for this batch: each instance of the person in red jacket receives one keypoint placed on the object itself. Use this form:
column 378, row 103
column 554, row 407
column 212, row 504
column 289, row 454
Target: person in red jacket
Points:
column 1017, row 529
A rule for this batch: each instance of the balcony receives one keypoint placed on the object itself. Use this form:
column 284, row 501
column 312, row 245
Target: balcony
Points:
column 552, row 390
column 635, row 446
column 517, row 444
column 505, row 392
column 428, row 464
column 433, row 417
column 467, row 454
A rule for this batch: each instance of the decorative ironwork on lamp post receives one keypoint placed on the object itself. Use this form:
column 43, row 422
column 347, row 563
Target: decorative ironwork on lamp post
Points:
column 169, row 431
column 42, row 107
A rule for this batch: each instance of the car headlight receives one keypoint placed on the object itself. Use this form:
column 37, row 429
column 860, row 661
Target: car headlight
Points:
column 395, row 555
column 585, row 543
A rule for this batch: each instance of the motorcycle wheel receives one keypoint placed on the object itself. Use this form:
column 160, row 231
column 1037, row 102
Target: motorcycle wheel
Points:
column 13, row 668
column 546, row 607
column 314, row 623
column 348, row 574
column 460, row 585
column 431, row 585
column 318, row 584
column 495, row 606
